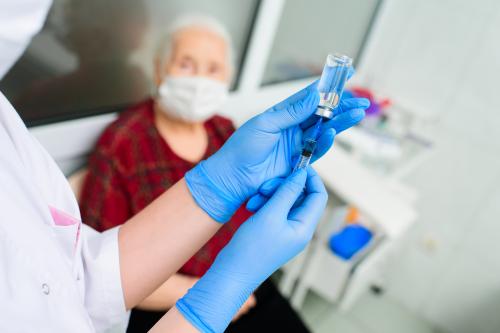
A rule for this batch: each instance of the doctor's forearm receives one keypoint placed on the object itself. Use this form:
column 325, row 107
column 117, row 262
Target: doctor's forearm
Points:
column 169, row 292
column 173, row 321
column 155, row 243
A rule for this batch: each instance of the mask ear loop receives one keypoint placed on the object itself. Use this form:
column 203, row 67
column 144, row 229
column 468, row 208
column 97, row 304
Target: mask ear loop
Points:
column 156, row 94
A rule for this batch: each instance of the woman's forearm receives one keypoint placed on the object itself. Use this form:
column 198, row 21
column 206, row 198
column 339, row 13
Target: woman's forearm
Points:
column 169, row 292
column 156, row 242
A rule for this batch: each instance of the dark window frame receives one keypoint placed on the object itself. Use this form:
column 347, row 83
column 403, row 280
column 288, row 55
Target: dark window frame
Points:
column 359, row 55
column 80, row 114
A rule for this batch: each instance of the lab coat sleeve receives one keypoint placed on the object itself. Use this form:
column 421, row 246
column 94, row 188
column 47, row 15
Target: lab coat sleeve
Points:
column 103, row 290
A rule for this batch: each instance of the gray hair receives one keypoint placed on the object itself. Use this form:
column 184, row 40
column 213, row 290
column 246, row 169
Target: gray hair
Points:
column 195, row 20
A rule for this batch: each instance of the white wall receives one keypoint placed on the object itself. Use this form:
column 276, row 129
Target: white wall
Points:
column 442, row 58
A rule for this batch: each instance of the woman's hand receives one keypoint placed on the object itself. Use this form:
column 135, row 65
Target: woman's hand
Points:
column 250, row 303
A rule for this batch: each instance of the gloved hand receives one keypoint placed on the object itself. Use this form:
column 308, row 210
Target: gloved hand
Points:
column 263, row 148
column 271, row 237
column 339, row 122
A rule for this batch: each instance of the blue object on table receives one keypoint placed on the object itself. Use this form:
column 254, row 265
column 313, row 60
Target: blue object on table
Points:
column 350, row 240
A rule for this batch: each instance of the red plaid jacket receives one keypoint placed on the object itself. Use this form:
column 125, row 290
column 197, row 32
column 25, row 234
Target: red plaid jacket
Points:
column 132, row 165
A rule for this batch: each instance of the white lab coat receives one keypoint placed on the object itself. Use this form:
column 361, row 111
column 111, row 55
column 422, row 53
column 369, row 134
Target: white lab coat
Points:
column 56, row 275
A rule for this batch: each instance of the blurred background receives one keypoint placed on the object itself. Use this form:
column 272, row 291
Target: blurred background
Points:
column 419, row 176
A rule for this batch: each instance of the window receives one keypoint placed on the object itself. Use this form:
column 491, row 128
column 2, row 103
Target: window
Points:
column 309, row 30
column 96, row 56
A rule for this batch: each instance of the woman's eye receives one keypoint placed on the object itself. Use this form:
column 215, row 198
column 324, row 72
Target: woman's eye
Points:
column 186, row 64
column 214, row 69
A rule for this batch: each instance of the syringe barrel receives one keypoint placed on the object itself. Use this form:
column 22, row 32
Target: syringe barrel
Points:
column 306, row 154
column 332, row 82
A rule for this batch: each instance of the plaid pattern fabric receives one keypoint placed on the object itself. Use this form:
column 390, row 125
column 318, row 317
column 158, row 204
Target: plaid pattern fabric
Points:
column 132, row 165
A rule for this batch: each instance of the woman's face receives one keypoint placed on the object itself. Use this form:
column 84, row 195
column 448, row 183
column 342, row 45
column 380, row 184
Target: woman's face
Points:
column 198, row 52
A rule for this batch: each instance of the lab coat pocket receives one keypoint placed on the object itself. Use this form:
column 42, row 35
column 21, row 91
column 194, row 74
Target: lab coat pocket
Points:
column 67, row 231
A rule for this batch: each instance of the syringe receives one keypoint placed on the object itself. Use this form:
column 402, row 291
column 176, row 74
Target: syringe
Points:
column 309, row 147
column 330, row 88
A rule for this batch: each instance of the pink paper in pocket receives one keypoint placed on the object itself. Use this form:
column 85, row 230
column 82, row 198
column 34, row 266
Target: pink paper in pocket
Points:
column 62, row 219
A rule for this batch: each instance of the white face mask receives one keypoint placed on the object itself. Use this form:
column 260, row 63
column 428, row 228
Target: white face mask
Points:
column 20, row 20
column 192, row 99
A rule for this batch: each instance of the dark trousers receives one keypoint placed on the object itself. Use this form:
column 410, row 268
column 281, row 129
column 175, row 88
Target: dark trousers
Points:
column 272, row 313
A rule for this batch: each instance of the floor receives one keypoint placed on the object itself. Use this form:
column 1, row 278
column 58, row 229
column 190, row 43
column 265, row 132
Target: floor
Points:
column 371, row 314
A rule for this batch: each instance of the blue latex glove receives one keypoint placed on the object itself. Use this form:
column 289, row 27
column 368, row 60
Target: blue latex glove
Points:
column 270, row 238
column 265, row 147
column 340, row 123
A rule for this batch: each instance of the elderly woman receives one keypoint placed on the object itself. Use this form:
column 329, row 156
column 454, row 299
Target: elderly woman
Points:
column 152, row 145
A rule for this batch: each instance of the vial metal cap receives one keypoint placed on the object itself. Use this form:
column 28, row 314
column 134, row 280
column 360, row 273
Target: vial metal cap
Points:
column 324, row 112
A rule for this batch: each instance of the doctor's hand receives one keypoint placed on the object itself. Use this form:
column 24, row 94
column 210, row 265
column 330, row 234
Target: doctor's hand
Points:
column 266, row 241
column 264, row 148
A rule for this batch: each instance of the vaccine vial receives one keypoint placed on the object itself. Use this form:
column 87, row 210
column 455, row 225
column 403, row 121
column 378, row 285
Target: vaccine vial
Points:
column 332, row 82
column 330, row 88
